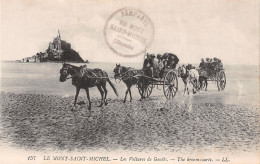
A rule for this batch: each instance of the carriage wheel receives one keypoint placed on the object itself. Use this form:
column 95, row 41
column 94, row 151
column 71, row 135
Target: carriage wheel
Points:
column 221, row 80
column 148, row 87
column 170, row 84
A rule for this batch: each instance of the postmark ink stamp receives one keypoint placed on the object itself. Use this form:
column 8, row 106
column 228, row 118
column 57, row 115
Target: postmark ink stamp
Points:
column 128, row 32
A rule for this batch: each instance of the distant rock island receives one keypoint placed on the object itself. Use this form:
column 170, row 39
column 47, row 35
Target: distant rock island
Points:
column 58, row 51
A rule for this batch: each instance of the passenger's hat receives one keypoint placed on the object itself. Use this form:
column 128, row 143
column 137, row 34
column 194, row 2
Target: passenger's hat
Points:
column 159, row 56
column 152, row 56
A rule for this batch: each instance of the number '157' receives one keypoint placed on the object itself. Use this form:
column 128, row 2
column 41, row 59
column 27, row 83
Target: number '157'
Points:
column 31, row 157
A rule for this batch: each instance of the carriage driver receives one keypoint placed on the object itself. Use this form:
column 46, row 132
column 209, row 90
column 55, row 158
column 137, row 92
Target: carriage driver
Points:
column 202, row 64
column 148, row 65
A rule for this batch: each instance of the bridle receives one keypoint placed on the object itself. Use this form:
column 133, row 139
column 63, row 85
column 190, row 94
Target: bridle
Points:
column 123, row 76
column 119, row 77
column 65, row 69
column 183, row 75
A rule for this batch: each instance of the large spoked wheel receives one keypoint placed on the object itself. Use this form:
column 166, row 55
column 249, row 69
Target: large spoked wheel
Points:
column 170, row 84
column 221, row 80
column 147, row 86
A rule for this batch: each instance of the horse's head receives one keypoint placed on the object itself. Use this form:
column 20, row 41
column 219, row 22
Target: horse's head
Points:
column 181, row 71
column 64, row 72
column 117, row 71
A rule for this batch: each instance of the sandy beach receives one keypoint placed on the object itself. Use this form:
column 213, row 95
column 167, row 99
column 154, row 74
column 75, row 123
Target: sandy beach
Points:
column 47, row 122
column 42, row 120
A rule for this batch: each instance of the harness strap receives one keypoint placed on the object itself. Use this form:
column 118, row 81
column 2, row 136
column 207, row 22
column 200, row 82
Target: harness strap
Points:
column 122, row 76
column 72, row 76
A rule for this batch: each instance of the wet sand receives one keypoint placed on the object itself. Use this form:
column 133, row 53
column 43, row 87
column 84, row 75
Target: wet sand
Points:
column 187, row 123
column 36, row 114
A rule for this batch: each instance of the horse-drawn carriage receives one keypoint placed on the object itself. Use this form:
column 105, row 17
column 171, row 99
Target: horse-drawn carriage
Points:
column 216, row 74
column 163, row 74
column 158, row 73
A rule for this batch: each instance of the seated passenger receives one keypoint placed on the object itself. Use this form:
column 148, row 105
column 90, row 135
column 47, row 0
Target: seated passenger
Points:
column 208, row 63
column 160, row 61
column 172, row 61
column 157, row 66
column 164, row 59
column 202, row 64
column 148, row 65
column 214, row 64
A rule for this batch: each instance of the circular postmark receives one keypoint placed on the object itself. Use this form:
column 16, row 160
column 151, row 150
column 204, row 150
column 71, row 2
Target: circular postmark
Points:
column 128, row 32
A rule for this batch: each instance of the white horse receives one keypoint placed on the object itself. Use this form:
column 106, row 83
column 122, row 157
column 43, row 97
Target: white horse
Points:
column 189, row 76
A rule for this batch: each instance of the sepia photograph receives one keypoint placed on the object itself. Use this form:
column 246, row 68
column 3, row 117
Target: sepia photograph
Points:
column 129, row 81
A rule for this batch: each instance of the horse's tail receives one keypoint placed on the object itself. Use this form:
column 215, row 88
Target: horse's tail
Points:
column 113, row 87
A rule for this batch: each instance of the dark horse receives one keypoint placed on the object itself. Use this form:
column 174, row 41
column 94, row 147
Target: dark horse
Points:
column 203, row 82
column 129, row 76
column 84, row 78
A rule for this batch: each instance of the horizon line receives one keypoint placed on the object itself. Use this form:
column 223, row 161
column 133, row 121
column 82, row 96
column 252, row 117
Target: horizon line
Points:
column 14, row 61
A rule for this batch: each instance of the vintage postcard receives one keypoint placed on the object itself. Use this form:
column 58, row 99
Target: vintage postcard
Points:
column 129, row 81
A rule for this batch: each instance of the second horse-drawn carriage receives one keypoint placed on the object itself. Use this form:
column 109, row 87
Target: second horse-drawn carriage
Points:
column 213, row 71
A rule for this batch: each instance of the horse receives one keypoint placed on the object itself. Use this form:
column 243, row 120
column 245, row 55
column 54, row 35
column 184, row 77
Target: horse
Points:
column 83, row 78
column 129, row 76
column 203, row 82
column 189, row 76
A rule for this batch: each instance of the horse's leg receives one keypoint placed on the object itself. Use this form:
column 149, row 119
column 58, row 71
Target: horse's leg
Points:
column 76, row 96
column 185, row 86
column 102, row 94
column 206, row 81
column 200, row 83
column 197, row 84
column 105, row 90
column 142, row 88
column 188, row 84
column 89, row 102
column 126, row 92
column 184, row 89
column 130, row 94
column 188, row 90
column 193, row 82
column 194, row 86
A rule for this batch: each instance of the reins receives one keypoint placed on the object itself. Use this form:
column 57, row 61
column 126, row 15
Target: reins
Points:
column 125, row 76
column 96, row 77
column 72, row 76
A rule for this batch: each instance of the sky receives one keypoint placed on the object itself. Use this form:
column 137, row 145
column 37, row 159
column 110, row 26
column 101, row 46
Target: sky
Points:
column 226, row 29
